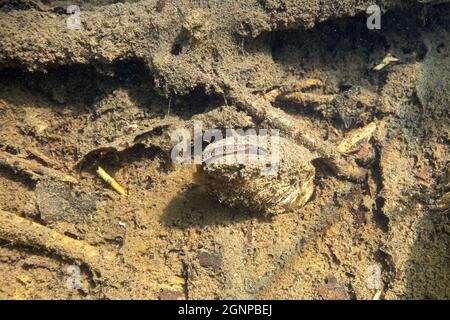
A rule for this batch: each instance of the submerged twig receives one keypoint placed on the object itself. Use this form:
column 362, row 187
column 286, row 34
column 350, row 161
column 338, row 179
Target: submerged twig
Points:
column 110, row 180
column 33, row 169
column 260, row 109
column 388, row 59
column 22, row 231
column 18, row 230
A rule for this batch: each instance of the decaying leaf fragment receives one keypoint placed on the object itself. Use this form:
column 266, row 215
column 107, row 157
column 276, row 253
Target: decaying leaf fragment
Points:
column 357, row 138
column 388, row 59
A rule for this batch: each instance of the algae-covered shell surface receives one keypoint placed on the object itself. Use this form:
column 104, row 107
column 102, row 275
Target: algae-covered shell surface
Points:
column 267, row 178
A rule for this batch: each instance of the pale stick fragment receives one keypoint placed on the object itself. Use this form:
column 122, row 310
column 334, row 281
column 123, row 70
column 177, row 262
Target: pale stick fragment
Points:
column 307, row 83
column 388, row 59
column 272, row 95
column 110, row 180
column 303, row 84
column 307, row 98
column 377, row 295
column 33, row 169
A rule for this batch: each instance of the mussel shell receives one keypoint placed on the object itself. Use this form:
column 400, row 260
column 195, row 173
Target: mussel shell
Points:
column 253, row 180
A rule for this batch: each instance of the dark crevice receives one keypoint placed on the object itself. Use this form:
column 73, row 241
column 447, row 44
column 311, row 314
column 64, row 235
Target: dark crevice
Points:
column 387, row 265
column 380, row 218
column 58, row 7
column 186, row 276
column 21, row 178
column 112, row 160
column 351, row 292
column 81, row 86
column 195, row 102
